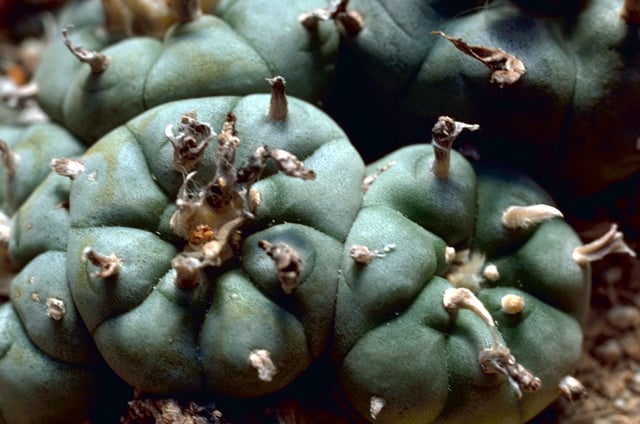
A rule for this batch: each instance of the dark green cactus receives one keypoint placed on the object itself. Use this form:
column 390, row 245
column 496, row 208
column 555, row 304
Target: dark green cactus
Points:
column 553, row 84
column 226, row 54
column 462, row 297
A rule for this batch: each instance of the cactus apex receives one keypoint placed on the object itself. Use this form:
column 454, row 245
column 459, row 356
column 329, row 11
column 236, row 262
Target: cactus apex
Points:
column 260, row 359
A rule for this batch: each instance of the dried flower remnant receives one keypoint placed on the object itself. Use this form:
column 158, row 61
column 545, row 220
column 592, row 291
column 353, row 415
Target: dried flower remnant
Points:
column 466, row 270
column 278, row 105
column 55, row 308
column 524, row 217
column 376, row 405
column 97, row 61
column 287, row 261
column 8, row 159
column 444, row 133
column 66, row 167
column 109, row 265
column 499, row 359
column 506, row 69
column 572, row 388
column 363, row 255
column 349, row 22
column 190, row 142
column 260, row 359
column 167, row 411
column 611, row 242
column 211, row 217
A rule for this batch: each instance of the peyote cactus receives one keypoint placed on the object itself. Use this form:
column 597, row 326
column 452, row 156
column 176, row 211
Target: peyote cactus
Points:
column 25, row 153
column 46, row 355
column 462, row 294
column 228, row 53
column 554, row 84
column 50, row 370
column 203, row 266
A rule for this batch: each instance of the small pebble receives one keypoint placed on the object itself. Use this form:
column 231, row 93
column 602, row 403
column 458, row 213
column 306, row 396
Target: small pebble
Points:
column 624, row 317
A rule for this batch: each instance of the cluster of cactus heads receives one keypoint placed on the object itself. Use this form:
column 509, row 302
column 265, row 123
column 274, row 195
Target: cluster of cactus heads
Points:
column 220, row 238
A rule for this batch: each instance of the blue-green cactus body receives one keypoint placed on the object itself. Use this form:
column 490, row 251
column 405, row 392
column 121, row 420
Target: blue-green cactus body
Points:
column 167, row 339
column 228, row 53
column 402, row 356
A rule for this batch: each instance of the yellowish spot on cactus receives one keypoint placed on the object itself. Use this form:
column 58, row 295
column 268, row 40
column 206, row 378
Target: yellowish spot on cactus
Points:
column 444, row 133
column 66, row 167
column 376, row 405
column 363, row 255
column 524, row 217
column 260, row 359
column 512, row 304
column 55, row 308
column 35, row 296
column 506, row 69
column 611, row 242
column 108, row 265
column 491, row 273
